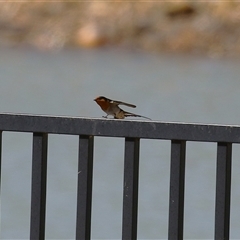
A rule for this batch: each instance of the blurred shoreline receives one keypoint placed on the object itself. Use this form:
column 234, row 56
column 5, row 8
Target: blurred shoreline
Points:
column 211, row 28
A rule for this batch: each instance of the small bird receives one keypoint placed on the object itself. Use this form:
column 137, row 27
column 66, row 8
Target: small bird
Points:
column 110, row 107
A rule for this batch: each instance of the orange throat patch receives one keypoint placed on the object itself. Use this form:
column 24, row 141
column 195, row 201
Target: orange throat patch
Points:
column 103, row 104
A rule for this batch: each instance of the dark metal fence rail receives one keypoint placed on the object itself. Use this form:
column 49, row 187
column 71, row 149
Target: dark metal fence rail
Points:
column 132, row 131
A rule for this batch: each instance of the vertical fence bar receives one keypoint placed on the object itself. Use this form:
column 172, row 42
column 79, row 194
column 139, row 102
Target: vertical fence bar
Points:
column 176, row 201
column 0, row 160
column 223, row 190
column 39, row 176
column 84, row 194
column 130, row 192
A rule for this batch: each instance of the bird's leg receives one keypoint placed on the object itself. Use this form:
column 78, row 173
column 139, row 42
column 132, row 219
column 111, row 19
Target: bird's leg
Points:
column 105, row 116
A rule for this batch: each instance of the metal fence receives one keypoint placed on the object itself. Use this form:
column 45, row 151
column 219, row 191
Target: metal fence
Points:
column 132, row 131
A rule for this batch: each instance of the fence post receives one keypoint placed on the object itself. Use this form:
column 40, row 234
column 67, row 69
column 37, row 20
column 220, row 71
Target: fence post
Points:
column 223, row 190
column 176, row 201
column 130, row 193
column 0, row 160
column 39, row 177
column 84, row 193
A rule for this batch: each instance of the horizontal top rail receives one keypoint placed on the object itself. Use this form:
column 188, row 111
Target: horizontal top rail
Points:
column 119, row 128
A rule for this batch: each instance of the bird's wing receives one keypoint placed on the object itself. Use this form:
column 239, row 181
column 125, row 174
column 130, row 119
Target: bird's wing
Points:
column 122, row 103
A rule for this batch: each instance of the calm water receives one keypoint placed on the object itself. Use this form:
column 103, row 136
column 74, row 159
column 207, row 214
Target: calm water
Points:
column 165, row 88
